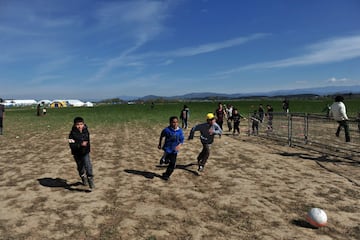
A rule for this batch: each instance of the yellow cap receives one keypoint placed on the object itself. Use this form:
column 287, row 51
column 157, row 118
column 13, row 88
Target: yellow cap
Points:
column 210, row 116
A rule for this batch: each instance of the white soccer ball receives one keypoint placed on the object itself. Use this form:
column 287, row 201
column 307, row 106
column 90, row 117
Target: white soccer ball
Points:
column 317, row 217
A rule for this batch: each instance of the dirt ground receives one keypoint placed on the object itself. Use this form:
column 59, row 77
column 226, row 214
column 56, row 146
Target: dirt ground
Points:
column 252, row 188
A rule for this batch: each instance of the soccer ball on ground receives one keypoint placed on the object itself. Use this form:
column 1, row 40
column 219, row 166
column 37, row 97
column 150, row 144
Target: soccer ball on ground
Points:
column 316, row 217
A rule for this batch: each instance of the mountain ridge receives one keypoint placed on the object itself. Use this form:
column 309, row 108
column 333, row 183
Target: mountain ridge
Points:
column 320, row 91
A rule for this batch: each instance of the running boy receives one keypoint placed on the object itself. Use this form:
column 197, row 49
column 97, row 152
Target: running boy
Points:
column 79, row 141
column 174, row 138
column 207, row 130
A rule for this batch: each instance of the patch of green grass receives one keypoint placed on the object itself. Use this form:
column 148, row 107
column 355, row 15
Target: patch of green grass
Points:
column 60, row 119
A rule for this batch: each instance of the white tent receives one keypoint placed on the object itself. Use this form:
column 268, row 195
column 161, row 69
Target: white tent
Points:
column 75, row 103
column 22, row 102
column 89, row 104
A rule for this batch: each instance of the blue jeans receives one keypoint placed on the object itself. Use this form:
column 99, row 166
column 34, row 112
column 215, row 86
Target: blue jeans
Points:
column 83, row 164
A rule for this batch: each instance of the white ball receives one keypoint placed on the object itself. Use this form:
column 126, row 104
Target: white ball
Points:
column 316, row 217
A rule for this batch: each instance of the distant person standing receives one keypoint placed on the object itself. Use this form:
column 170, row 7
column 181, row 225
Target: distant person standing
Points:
column 261, row 112
column 220, row 114
column 270, row 117
column 207, row 132
column 338, row 113
column 184, row 116
column 286, row 105
column 327, row 110
column 229, row 113
column 38, row 110
column 255, row 123
column 236, row 116
column 44, row 111
column 2, row 114
column 174, row 138
column 79, row 141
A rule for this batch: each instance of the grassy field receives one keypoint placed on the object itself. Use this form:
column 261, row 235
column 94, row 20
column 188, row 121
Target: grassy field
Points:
column 120, row 113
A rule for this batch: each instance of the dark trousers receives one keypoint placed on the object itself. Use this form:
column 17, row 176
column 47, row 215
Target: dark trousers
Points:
column 171, row 157
column 184, row 123
column 83, row 164
column 343, row 124
column 255, row 128
column 270, row 124
column 236, row 127
column 220, row 123
column 230, row 125
column 204, row 154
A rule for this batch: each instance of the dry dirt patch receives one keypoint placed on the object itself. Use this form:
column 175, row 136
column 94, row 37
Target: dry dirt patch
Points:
column 251, row 189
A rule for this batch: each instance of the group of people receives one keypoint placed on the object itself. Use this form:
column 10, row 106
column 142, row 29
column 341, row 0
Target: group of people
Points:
column 40, row 112
column 231, row 115
column 79, row 136
column 174, row 138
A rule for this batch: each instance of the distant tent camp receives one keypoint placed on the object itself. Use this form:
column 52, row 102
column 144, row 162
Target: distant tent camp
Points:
column 58, row 104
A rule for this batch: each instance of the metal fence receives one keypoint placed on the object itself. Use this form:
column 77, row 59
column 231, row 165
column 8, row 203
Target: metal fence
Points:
column 311, row 131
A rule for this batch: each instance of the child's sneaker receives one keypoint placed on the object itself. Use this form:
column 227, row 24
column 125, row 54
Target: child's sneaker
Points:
column 165, row 177
column 201, row 168
column 162, row 161
column 84, row 180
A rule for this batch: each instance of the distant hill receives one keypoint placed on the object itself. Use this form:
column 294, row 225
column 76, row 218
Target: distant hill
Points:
column 305, row 92
column 322, row 91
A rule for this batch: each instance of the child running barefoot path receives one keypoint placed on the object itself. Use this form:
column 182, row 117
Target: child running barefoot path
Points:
column 79, row 141
column 174, row 138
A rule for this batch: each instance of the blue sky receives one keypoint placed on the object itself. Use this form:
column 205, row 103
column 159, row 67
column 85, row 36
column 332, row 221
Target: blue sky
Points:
column 94, row 49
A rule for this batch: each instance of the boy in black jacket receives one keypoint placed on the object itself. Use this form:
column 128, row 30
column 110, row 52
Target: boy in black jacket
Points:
column 79, row 141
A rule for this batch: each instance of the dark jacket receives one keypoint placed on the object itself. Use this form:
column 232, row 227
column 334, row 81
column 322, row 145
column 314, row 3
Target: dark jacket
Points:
column 79, row 137
column 203, row 128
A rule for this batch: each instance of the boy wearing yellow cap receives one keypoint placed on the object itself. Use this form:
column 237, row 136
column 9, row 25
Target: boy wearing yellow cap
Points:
column 207, row 132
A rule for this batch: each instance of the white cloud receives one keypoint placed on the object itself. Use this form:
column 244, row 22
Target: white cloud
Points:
column 335, row 80
column 212, row 47
column 182, row 52
column 141, row 20
column 328, row 51
column 167, row 62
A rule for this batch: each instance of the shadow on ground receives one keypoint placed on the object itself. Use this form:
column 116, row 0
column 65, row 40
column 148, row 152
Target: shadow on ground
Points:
column 62, row 183
column 152, row 175
column 145, row 174
column 302, row 223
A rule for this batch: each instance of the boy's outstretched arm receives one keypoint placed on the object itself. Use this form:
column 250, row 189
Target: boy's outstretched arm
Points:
column 191, row 135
